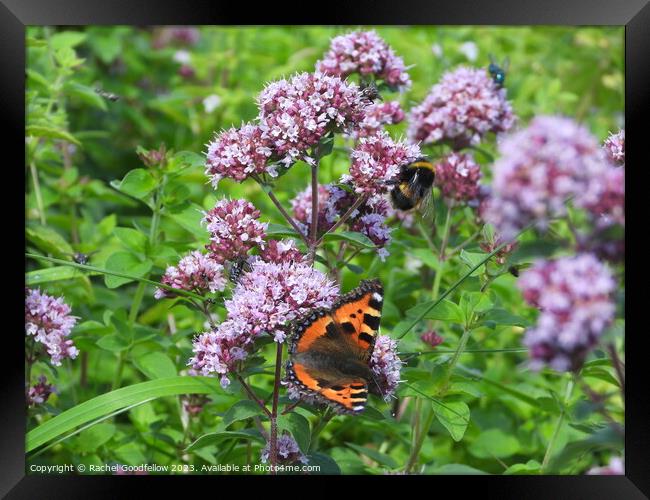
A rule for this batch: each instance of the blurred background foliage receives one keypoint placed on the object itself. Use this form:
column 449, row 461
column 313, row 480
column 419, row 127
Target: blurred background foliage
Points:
column 95, row 95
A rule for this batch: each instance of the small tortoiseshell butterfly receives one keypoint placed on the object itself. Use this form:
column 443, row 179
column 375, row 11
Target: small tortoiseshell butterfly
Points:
column 330, row 349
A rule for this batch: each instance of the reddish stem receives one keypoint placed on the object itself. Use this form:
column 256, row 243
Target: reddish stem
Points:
column 274, row 411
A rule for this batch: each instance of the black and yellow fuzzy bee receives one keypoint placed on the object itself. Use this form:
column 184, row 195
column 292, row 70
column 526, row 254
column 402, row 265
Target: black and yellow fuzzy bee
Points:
column 413, row 187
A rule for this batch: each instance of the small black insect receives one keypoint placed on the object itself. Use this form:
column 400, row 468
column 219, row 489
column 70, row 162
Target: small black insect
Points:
column 514, row 270
column 82, row 258
column 498, row 72
column 107, row 95
column 237, row 267
column 370, row 92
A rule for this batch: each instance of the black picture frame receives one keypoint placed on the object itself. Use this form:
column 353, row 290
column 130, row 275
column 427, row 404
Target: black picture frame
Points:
column 15, row 15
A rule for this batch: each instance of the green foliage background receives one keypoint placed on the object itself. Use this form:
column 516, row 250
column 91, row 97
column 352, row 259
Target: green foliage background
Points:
column 94, row 195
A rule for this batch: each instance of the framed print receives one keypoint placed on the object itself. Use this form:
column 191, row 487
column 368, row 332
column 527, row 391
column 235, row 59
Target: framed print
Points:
column 386, row 242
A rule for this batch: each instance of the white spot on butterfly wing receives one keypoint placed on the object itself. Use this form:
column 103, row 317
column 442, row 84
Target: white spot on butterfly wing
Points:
column 377, row 297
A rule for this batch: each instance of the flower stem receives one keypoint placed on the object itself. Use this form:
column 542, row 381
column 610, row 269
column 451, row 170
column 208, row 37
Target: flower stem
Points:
column 252, row 395
column 464, row 243
column 37, row 192
column 274, row 410
column 445, row 232
column 618, row 366
column 558, row 426
column 454, row 360
column 422, row 430
column 281, row 209
column 318, row 428
column 343, row 218
column 314, row 211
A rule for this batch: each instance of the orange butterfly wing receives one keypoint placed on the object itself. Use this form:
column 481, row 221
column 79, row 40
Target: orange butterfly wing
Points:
column 357, row 314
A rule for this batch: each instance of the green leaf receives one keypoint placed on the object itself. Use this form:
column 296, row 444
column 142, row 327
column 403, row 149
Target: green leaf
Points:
column 137, row 183
column 108, row 403
column 51, row 133
column 530, row 467
column 298, row 426
column 85, row 94
column 355, row 269
column 278, row 230
column 501, row 317
column 49, row 274
column 427, row 256
column 326, row 464
column 155, row 365
column 67, row 39
column 131, row 238
column 380, row 458
column 604, row 439
column 454, row 416
column 130, row 453
column 190, row 219
column 241, row 410
column 186, row 159
column 94, row 437
column 456, row 469
column 113, row 342
column 130, row 277
column 352, row 237
column 123, row 262
column 49, row 240
column 472, row 260
column 443, row 310
column 218, row 437
column 494, row 443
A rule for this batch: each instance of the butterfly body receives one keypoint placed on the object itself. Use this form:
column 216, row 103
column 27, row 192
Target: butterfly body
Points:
column 330, row 349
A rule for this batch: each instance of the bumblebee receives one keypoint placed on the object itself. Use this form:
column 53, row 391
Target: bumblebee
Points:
column 498, row 72
column 413, row 187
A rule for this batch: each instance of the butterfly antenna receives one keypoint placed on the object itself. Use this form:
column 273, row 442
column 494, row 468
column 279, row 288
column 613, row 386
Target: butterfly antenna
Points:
column 374, row 379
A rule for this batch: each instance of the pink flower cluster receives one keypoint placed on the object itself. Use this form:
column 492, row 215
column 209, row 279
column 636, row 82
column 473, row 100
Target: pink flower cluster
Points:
column 296, row 114
column 616, row 467
column 376, row 160
column 458, row 176
column 182, row 35
column 48, row 320
column 574, row 295
column 234, row 229
column 377, row 116
column 40, row 392
column 386, row 365
column 196, row 272
column 366, row 53
column 609, row 206
column 220, row 350
column 238, row 153
column 264, row 300
column 272, row 294
column 374, row 227
column 281, row 252
column 334, row 201
column 614, row 147
column 302, row 209
column 461, row 110
column 540, row 168
column 288, row 451
column 432, row 338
